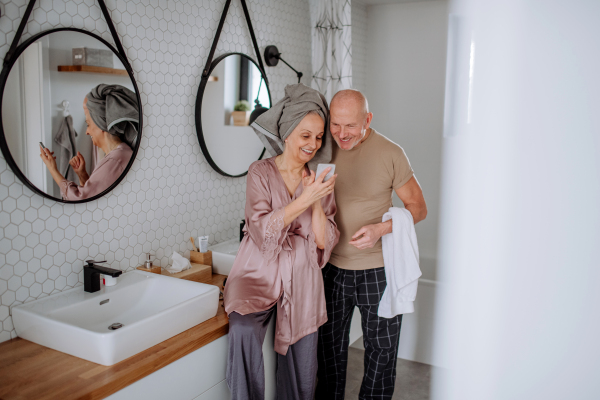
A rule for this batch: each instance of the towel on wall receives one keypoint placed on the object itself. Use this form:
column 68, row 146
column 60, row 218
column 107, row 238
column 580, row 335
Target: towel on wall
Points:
column 276, row 124
column 401, row 262
column 65, row 138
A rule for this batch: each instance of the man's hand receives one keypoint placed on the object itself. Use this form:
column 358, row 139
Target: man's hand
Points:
column 368, row 235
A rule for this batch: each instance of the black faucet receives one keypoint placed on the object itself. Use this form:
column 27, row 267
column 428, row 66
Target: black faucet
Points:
column 91, row 275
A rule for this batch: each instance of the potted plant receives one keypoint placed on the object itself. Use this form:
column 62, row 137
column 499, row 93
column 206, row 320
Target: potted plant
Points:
column 241, row 113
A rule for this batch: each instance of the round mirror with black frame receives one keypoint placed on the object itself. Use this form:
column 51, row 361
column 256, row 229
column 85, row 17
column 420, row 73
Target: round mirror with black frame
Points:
column 80, row 114
column 234, row 86
column 70, row 112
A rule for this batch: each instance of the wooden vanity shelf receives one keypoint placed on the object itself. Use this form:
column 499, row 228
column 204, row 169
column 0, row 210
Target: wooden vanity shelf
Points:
column 91, row 68
column 198, row 273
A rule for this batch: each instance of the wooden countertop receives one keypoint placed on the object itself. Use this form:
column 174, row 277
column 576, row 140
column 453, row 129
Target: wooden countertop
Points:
column 31, row 371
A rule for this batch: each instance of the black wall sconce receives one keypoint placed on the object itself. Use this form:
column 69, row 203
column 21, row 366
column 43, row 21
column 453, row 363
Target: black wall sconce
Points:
column 272, row 57
column 258, row 108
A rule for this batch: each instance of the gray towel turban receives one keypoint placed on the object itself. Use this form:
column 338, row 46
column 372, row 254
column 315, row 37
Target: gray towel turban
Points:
column 275, row 125
column 115, row 110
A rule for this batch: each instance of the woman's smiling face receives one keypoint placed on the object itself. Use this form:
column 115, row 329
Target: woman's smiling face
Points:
column 306, row 139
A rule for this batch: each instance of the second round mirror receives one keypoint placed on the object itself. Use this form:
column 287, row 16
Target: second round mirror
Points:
column 225, row 101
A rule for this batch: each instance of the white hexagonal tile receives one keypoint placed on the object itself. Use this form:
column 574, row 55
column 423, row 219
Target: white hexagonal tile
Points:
column 44, row 212
column 8, row 324
column 35, row 290
column 8, row 297
column 34, row 265
column 53, row 272
column 47, row 261
column 60, row 282
column 28, row 279
column 4, row 312
column 41, row 276
column 20, row 268
column 4, row 219
column 48, row 286
column 6, row 271
column 22, row 293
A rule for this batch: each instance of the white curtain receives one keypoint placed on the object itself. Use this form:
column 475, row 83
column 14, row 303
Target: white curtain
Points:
column 331, row 46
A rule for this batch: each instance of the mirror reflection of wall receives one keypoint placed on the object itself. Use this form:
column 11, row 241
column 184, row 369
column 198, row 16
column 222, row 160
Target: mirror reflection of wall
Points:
column 33, row 109
column 229, row 69
column 26, row 107
column 232, row 147
column 242, row 81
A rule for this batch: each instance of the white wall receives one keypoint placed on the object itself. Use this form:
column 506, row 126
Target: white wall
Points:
column 520, row 222
column 359, row 45
column 229, row 73
column 406, row 53
column 170, row 193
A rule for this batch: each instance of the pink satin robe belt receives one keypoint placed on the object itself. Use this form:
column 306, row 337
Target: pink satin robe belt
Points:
column 280, row 265
column 105, row 174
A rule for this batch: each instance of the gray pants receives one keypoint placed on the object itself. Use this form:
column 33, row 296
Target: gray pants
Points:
column 296, row 371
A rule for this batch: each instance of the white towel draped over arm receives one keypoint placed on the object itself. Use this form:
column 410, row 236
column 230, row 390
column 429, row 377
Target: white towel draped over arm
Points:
column 401, row 261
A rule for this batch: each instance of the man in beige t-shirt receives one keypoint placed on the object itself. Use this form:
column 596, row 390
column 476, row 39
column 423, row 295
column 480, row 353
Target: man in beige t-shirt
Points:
column 369, row 167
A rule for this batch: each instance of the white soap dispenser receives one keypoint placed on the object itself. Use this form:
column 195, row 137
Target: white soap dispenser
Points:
column 148, row 263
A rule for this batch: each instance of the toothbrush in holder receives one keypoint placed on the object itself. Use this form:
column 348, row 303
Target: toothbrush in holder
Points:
column 193, row 244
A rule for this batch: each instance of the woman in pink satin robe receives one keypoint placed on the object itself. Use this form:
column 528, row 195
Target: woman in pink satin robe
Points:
column 110, row 115
column 289, row 235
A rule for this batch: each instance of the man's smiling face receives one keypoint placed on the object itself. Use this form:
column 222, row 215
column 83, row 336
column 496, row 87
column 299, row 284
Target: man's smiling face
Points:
column 349, row 121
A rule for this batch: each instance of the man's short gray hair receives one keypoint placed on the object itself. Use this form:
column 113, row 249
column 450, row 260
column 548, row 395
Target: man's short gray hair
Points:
column 351, row 94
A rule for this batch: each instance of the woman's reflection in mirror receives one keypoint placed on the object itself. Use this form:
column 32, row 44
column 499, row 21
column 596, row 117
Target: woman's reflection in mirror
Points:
column 112, row 118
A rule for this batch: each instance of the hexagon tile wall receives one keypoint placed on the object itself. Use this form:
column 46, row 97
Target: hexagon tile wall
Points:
column 171, row 193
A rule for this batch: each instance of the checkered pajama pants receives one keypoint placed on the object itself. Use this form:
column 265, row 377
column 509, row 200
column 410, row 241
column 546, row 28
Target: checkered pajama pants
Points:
column 345, row 289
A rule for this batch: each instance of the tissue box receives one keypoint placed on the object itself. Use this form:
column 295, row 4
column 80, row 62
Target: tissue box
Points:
column 93, row 57
column 201, row 258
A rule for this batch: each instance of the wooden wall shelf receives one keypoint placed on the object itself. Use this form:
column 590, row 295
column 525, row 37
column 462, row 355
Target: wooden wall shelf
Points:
column 90, row 68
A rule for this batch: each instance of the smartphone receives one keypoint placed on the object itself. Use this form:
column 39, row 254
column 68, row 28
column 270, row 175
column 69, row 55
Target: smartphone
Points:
column 42, row 144
column 323, row 167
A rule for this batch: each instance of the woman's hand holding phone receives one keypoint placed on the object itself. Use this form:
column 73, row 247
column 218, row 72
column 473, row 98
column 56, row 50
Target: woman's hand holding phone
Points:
column 48, row 158
column 315, row 188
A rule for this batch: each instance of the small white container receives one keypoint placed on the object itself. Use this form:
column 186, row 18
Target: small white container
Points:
column 109, row 280
column 203, row 243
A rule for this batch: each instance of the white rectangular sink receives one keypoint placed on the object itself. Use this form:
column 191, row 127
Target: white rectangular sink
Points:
column 151, row 308
column 223, row 255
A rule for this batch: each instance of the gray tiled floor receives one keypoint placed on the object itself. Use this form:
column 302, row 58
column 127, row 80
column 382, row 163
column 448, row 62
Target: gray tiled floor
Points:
column 412, row 378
